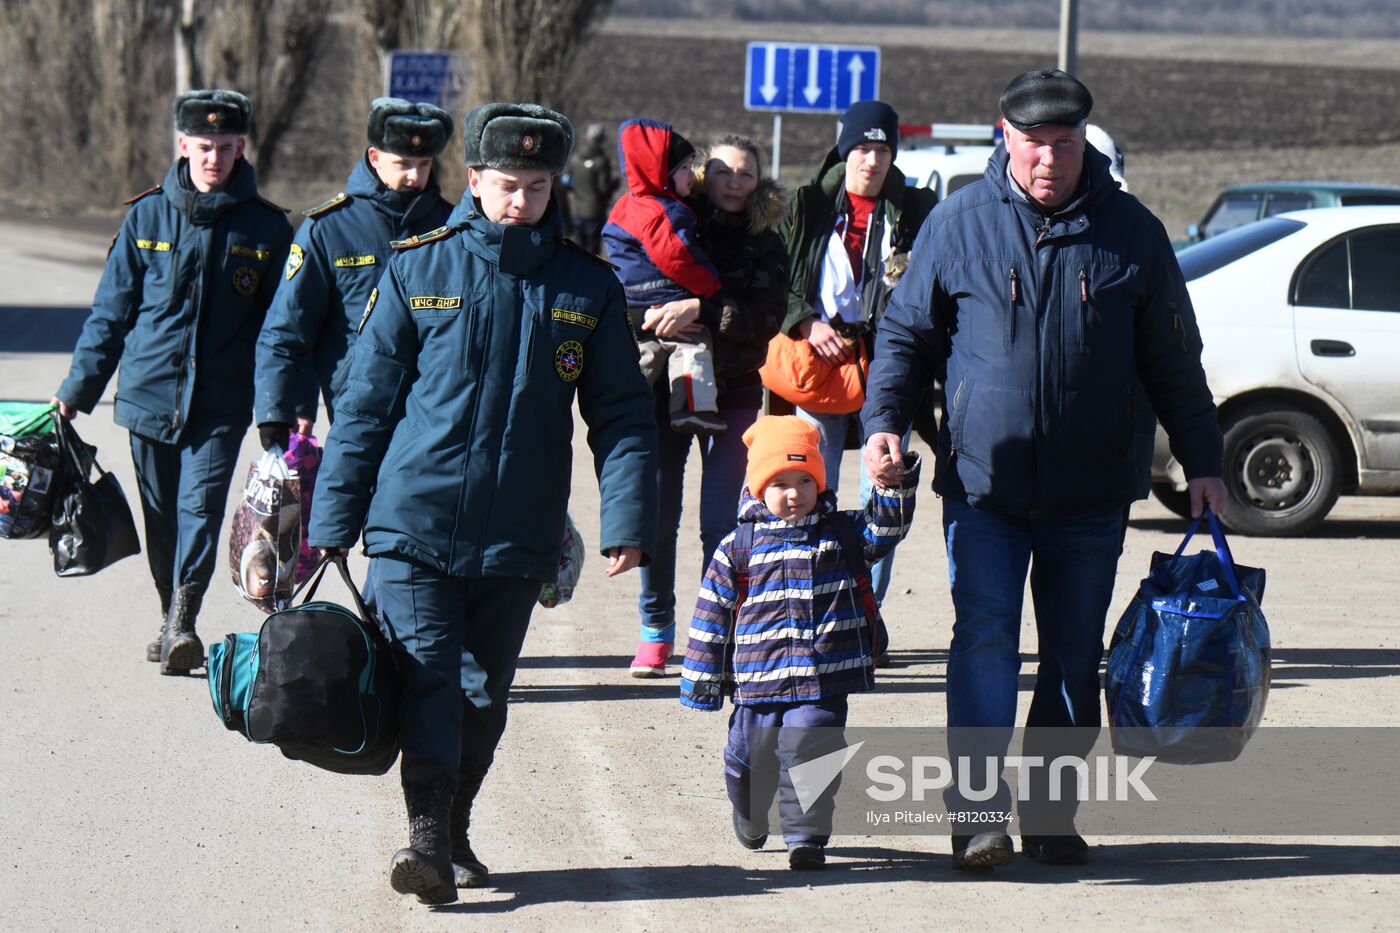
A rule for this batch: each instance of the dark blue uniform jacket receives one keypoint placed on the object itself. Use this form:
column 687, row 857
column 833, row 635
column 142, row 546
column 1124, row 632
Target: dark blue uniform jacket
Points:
column 188, row 280
column 336, row 260
column 1045, row 326
column 452, row 442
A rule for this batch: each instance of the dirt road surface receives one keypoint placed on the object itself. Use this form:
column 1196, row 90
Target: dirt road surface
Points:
column 127, row 806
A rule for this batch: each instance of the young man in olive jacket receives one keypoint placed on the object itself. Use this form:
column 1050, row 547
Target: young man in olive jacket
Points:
column 1046, row 294
column 849, row 233
column 336, row 260
column 188, row 280
column 451, row 452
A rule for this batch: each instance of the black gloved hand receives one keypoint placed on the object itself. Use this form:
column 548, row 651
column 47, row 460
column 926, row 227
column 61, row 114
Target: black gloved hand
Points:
column 274, row 434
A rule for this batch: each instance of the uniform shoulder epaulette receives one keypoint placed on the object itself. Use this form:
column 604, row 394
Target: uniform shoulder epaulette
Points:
column 419, row 239
column 136, row 197
column 276, row 207
column 589, row 253
column 330, row 205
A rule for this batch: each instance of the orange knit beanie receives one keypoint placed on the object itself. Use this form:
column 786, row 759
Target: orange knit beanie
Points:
column 782, row 442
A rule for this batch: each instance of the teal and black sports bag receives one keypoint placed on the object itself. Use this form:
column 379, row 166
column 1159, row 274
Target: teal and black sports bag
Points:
column 318, row 681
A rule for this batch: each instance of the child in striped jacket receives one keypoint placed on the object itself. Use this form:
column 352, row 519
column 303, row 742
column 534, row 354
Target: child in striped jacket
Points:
column 786, row 614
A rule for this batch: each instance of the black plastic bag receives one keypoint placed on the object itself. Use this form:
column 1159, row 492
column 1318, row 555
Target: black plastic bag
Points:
column 92, row 524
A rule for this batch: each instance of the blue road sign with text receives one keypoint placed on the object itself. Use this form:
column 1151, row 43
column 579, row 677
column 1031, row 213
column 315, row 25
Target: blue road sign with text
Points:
column 810, row 78
column 422, row 77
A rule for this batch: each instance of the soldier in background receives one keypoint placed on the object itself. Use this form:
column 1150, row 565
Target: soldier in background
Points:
column 188, row 281
column 337, row 259
column 594, row 182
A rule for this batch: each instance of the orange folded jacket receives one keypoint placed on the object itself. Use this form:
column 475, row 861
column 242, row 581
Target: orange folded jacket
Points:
column 794, row 371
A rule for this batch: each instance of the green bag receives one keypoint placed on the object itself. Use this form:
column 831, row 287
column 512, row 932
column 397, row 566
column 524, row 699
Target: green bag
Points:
column 29, row 464
column 21, row 419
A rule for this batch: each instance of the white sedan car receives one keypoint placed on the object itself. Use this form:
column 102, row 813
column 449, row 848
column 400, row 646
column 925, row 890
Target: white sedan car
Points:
column 1300, row 316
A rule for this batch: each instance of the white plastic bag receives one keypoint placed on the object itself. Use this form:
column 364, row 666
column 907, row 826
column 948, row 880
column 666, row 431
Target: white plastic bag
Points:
column 266, row 535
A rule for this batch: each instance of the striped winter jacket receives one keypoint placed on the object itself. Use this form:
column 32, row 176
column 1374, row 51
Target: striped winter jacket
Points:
column 802, row 633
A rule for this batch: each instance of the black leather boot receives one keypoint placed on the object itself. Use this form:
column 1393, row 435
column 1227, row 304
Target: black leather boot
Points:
column 181, row 651
column 153, row 649
column 425, row 867
column 467, row 869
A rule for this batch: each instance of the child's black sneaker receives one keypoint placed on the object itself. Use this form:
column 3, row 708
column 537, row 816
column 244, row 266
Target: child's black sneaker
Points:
column 804, row 856
column 748, row 837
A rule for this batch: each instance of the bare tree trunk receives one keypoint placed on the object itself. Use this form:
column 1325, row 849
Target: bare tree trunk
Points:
column 418, row 24
column 187, row 76
column 267, row 50
column 83, row 83
column 522, row 50
column 525, row 50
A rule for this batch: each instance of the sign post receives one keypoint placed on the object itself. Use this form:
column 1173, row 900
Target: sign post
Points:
column 425, row 78
column 791, row 78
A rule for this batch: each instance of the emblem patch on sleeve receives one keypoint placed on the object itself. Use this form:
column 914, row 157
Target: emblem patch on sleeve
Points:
column 568, row 360
column 245, row 280
column 294, row 260
column 369, row 306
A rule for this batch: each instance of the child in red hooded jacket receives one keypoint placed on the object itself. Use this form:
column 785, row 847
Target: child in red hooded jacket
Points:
column 651, row 238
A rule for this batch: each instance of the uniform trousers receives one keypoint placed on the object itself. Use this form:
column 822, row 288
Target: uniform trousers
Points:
column 184, row 489
column 455, row 636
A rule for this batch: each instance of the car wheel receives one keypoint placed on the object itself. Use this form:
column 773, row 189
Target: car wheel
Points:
column 1176, row 500
column 1281, row 471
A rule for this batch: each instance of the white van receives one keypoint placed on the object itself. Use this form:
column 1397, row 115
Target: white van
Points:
column 945, row 156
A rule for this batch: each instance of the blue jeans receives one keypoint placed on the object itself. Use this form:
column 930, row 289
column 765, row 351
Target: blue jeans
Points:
column 1072, row 563
column 723, row 459
column 764, row 740
column 833, row 430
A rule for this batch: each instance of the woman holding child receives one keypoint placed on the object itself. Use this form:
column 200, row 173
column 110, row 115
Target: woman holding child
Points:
column 737, row 216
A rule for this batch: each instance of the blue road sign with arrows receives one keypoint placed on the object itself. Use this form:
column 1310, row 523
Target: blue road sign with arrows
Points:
column 810, row 78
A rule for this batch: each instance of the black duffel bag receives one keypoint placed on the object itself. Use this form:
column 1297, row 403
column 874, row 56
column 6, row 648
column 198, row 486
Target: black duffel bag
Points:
column 318, row 681
column 92, row 524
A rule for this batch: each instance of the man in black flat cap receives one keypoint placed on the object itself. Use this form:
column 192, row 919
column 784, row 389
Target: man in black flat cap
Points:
column 451, row 454
column 336, row 260
column 1052, row 305
column 188, row 280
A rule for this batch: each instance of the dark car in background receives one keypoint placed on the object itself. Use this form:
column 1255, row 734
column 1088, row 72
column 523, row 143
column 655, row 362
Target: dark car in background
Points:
column 1242, row 204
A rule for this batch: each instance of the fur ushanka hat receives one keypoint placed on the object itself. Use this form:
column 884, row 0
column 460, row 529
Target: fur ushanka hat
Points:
column 517, row 136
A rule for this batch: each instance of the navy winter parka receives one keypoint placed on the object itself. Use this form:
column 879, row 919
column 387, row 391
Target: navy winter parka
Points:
column 337, row 258
column 188, row 281
column 452, row 445
column 1044, row 326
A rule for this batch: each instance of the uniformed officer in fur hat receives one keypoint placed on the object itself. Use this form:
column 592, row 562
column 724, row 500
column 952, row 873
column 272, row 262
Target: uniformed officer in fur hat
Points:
column 451, row 451
column 197, row 255
column 337, row 258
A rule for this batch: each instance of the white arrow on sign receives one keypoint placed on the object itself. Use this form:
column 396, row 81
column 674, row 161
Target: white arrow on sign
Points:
column 855, row 68
column 768, row 89
column 813, row 90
